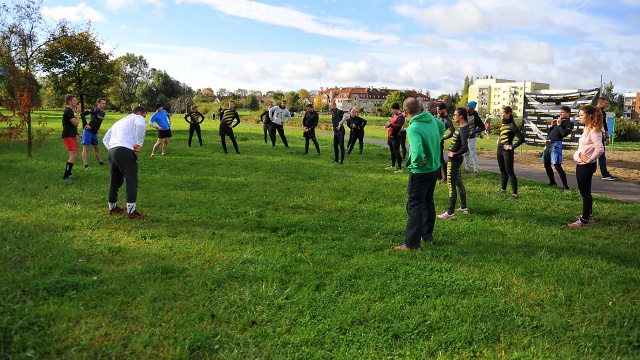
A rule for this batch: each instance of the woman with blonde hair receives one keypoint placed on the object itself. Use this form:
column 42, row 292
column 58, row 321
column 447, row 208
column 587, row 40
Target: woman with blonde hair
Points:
column 589, row 150
column 194, row 119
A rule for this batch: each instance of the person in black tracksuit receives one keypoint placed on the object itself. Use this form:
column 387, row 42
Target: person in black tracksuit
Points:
column 226, row 127
column 194, row 119
column 459, row 146
column 266, row 125
column 338, row 117
column 356, row 124
column 506, row 148
column 441, row 108
column 309, row 123
column 552, row 154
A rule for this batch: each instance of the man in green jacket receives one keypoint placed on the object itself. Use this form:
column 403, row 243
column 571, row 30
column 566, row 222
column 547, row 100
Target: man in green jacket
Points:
column 424, row 134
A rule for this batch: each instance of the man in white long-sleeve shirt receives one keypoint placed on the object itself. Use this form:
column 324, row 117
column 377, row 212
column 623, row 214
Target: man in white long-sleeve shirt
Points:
column 124, row 140
column 279, row 115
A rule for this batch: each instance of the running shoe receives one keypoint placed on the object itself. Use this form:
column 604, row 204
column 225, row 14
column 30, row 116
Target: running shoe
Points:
column 446, row 215
column 118, row 209
column 591, row 218
column 136, row 215
column 463, row 210
column 578, row 223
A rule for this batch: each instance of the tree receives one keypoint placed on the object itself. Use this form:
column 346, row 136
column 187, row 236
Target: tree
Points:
column 303, row 94
column 317, row 102
column 252, row 103
column 130, row 72
column 464, row 99
column 76, row 64
column 293, row 100
column 160, row 89
column 395, row 97
column 277, row 96
column 205, row 95
column 222, row 92
column 616, row 101
column 22, row 29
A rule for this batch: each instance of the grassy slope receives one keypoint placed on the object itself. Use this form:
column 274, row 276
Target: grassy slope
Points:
column 269, row 254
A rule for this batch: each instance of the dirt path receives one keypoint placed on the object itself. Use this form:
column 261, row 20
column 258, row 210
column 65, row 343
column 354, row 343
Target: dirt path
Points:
column 623, row 164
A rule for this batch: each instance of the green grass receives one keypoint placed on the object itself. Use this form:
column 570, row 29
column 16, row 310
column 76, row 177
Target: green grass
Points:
column 270, row 254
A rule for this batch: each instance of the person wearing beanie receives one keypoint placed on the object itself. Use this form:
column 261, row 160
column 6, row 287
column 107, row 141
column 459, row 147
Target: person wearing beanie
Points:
column 476, row 126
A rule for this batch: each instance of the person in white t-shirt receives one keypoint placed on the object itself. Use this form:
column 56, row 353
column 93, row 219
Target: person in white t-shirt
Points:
column 123, row 141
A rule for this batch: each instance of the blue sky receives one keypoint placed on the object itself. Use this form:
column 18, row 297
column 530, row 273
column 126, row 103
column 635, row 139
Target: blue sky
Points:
column 421, row 44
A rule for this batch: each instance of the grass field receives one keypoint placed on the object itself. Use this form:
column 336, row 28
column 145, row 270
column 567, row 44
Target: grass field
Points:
column 270, row 254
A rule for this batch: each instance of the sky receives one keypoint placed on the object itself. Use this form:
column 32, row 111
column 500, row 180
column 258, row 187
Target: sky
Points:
column 421, row 44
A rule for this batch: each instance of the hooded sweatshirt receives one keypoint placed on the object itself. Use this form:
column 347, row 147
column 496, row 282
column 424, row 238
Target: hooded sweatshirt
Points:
column 424, row 134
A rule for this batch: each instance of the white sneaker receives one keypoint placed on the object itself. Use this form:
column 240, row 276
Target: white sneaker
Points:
column 463, row 210
column 446, row 215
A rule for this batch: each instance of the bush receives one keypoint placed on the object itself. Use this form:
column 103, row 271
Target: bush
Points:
column 627, row 130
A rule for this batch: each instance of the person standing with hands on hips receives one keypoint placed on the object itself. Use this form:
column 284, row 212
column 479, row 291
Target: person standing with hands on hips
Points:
column 124, row 141
column 226, row 126
column 162, row 119
column 506, row 148
column 279, row 116
column 194, row 119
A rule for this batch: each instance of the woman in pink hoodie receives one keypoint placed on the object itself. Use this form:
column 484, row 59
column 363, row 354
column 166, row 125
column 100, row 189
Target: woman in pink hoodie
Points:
column 589, row 150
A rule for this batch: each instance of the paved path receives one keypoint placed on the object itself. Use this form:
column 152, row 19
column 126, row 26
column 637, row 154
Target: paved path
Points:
column 614, row 189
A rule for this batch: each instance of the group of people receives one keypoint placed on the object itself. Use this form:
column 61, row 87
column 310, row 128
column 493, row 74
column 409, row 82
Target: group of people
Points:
column 425, row 169
column 425, row 160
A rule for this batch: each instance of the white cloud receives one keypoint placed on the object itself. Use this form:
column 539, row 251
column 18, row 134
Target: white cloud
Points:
column 133, row 5
column 79, row 13
column 284, row 16
column 355, row 72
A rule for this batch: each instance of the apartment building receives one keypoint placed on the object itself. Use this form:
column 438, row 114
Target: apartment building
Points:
column 366, row 98
column 492, row 94
column 631, row 108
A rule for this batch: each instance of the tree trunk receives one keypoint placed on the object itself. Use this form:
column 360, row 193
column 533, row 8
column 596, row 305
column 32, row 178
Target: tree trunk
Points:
column 29, row 136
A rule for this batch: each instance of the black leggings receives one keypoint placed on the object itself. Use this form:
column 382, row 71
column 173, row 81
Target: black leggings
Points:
column 505, row 163
column 267, row 130
column 403, row 143
column 338, row 142
column 455, row 181
column 224, row 132
column 308, row 136
column 356, row 135
column 559, row 169
column 195, row 127
column 280, row 129
column 394, row 147
column 123, row 165
column 443, row 163
column 584, row 176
